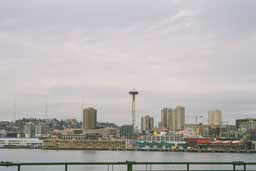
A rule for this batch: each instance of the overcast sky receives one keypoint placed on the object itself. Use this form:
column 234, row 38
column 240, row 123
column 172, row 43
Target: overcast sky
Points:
column 199, row 54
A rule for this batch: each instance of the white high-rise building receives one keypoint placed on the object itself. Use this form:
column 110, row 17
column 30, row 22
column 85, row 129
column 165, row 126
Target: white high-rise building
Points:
column 214, row 118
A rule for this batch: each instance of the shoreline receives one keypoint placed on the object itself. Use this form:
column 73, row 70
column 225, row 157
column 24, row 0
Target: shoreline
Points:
column 145, row 150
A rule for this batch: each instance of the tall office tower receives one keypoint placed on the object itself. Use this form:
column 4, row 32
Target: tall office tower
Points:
column 214, row 118
column 164, row 118
column 179, row 118
column 147, row 123
column 89, row 118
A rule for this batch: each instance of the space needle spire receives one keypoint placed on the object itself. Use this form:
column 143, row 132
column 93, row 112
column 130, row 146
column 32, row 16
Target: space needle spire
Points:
column 133, row 93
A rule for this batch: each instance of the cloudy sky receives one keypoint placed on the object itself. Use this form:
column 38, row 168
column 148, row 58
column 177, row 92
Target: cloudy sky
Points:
column 68, row 54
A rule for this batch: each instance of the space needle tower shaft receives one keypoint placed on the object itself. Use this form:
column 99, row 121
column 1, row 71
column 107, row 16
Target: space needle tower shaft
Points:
column 133, row 93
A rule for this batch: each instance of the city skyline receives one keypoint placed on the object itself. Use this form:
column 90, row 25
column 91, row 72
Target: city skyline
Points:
column 190, row 118
column 174, row 53
column 165, row 115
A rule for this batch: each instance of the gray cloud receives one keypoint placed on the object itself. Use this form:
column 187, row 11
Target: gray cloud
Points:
column 198, row 54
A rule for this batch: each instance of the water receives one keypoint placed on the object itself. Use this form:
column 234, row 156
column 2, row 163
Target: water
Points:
column 37, row 155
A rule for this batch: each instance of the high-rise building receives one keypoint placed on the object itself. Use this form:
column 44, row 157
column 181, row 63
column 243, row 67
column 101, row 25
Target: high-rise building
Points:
column 147, row 123
column 89, row 118
column 164, row 118
column 214, row 118
column 173, row 119
column 170, row 119
column 179, row 112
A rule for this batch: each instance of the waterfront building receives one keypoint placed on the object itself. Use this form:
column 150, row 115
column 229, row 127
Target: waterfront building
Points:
column 110, row 133
column 214, row 132
column 162, row 145
column 93, row 134
column 246, row 129
column 80, row 137
column 159, row 131
column 214, row 118
column 165, row 138
column 224, row 146
column 245, row 124
column 147, row 123
column 199, row 129
column 228, row 132
column 20, row 142
column 29, row 130
column 104, row 133
column 85, row 144
column 126, row 131
column 170, row 141
column 89, row 118
column 193, row 142
column 86, row 134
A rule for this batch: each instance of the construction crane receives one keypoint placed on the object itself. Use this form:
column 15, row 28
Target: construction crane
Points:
column 196, row 117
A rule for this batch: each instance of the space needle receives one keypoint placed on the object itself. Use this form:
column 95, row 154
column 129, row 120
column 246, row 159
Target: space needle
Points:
column 133, row 93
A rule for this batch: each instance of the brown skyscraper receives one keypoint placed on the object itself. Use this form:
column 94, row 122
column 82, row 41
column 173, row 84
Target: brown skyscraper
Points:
column 89, row 118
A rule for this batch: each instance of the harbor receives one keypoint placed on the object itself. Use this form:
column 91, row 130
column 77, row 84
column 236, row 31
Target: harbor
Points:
column 118, row 145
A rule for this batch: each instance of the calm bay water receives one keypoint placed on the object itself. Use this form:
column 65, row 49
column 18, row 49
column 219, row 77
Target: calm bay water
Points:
column 35, row 155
